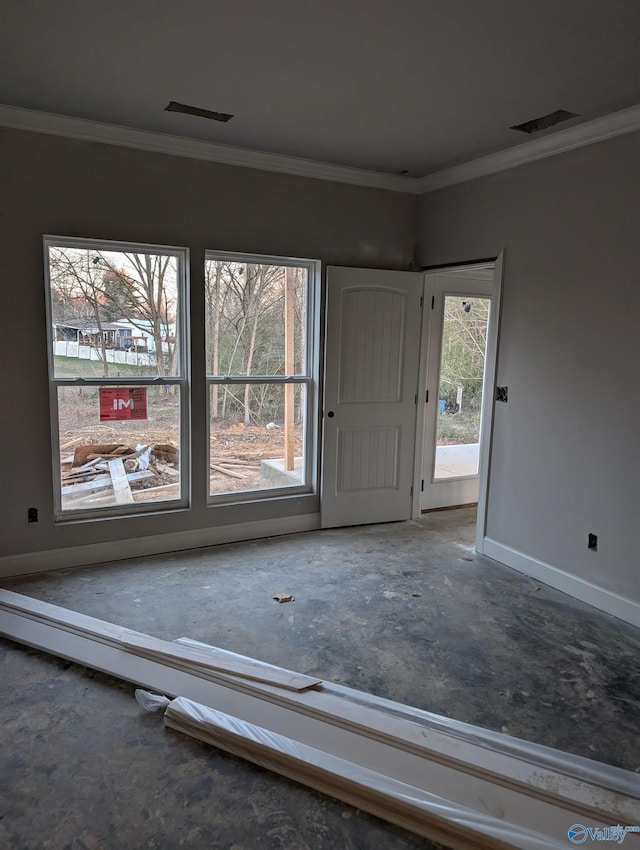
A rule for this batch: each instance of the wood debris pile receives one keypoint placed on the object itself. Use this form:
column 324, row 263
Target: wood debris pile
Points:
column 115, row 474
column 104, row 474
column 233, row 467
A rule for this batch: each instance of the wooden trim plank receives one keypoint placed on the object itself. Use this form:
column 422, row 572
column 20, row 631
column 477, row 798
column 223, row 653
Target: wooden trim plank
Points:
column 213, row 660
column 160, row 493
column 209, row 663
column 121, row 489
column 77, row 471
column 100, row 482
column 168, row 470
column 225, row 471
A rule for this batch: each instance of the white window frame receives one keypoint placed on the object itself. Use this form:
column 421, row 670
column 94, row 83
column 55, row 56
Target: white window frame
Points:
column 182, row 381
column 309, row 378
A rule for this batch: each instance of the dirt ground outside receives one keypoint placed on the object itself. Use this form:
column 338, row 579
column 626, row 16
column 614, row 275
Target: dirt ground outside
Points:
column 236, row 449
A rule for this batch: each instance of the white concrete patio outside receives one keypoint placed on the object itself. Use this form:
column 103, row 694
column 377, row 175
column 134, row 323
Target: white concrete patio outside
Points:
column 457, row 461
column 273, row 472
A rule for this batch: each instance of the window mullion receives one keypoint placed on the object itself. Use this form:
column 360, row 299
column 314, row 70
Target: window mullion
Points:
column 117, row 380
column 262, row 379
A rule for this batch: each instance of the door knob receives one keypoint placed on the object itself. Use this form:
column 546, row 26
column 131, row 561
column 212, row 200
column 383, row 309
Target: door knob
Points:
column 331, row 414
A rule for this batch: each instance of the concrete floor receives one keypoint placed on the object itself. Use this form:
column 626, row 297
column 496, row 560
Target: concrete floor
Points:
column 403, row 610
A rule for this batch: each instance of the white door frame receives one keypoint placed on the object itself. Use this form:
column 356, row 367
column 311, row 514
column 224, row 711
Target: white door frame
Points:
column 486, row 425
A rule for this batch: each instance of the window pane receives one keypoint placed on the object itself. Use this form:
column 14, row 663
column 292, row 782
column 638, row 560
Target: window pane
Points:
column 256, row 318
column 118, row 445
column 256, row 436
column 464, row 341
column 114, row 313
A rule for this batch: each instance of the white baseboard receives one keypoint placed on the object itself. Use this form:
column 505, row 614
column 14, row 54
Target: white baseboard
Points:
column 579, row 588
column 116, row 550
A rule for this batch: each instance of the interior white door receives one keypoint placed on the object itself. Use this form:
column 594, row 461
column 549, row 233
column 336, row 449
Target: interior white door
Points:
column 372, row 345
column 457, row 369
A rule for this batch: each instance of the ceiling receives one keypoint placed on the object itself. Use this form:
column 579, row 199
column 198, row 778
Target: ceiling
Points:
column 390, row 86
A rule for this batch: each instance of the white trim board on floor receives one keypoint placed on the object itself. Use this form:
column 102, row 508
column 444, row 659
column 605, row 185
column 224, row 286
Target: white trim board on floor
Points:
column 600, row 598
column 195, row 657
column 157, row 544
column 513, row 788
column 546, row 758
column 394, row 801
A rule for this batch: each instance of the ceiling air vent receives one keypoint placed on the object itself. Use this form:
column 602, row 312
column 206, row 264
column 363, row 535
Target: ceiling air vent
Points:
column 537, row 124
column 196, row 110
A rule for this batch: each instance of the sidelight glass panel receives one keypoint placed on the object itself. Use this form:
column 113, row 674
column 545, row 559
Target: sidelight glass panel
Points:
column 462, row 358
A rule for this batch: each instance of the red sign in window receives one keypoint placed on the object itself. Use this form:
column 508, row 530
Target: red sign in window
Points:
column 123, row 403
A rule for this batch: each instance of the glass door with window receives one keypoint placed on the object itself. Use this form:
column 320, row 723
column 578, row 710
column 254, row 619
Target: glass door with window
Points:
column 456, row 379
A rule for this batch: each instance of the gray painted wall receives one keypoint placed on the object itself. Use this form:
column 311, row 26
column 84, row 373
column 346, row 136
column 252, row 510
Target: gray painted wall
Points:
column 565, row 455
column 71, row 188
column 564, row 460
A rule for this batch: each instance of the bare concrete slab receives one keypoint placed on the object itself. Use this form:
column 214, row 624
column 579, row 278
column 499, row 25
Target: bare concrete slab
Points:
column 405, row 610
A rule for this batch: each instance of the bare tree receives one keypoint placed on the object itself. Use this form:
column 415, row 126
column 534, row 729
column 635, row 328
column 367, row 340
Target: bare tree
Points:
column 257, row 297
column 74, row 279
column 146, row 289
column 245, row 322
column 464, row 343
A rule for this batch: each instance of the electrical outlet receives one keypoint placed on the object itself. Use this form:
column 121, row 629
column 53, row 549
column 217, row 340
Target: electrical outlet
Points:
column 593, row 542
column 32, row 515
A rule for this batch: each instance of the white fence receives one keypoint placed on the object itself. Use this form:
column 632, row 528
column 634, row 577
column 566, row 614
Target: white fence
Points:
column 88, row 352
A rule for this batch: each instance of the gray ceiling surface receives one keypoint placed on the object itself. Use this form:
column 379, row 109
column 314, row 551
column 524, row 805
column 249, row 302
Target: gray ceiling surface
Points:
column 385, row 85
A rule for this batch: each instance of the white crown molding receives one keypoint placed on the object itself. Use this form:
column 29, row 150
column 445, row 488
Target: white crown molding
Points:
column 598, row 130
column 588, row 133
column 113, row 134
